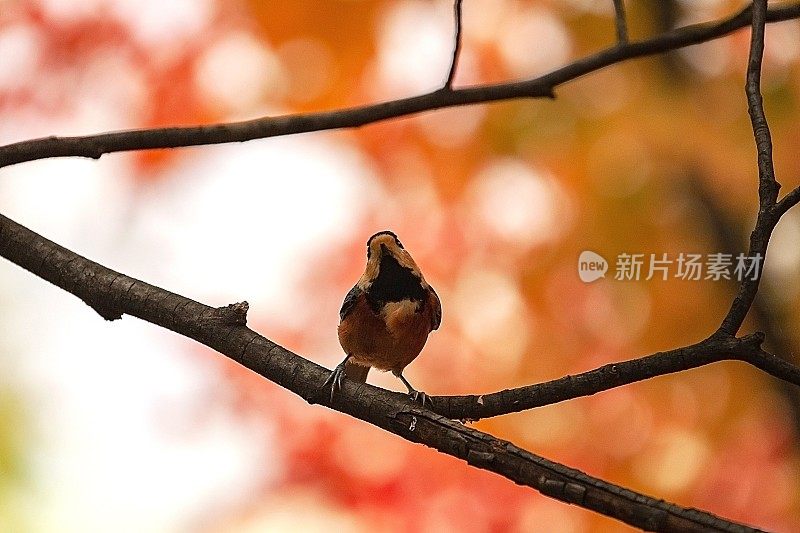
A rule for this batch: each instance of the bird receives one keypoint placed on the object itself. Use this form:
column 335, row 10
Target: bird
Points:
column 386, row 317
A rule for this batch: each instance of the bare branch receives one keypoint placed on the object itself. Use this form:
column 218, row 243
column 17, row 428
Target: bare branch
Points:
column 768, row 185
column 620, row 21
column 223, row 330
column 94, row 146
column 768, row 212
column 716, row 348
column 773, row 365
column 787, row 202
column 456, row 46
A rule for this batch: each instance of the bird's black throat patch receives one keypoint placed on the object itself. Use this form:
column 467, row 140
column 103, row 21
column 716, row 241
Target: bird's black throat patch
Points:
column 393, row 284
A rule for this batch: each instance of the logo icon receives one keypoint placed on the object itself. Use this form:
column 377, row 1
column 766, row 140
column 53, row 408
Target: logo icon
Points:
column 591, row 266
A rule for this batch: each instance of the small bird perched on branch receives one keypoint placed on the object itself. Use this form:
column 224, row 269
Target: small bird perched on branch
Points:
column 386, row 317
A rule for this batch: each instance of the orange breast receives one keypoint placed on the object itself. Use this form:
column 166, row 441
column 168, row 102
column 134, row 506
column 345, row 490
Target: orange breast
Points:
column 388, row 340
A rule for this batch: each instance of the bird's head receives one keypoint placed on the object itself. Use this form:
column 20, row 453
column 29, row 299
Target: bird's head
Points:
column 385, row 246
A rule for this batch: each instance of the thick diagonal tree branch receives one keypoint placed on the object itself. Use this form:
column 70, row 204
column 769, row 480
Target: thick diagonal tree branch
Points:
column 94, row 146
column 113, row 294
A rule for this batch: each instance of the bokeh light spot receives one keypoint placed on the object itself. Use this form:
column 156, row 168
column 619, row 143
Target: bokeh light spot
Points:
column 534, row 40
column 518, row 203
column 238, row 71
column 415, row 43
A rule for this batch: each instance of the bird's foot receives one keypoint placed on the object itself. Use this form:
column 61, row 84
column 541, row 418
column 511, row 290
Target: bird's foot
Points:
column 334, row 381
column 414, row 394
column 419, row 397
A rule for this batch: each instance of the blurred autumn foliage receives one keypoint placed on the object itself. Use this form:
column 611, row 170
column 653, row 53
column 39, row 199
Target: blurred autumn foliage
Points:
column 495, row 202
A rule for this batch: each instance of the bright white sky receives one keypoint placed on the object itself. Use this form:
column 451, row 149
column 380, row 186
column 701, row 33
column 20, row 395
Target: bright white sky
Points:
column 229, row 224
column 98, row 388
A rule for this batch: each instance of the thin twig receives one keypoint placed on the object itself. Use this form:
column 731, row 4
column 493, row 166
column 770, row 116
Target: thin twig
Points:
column 620, row 21
column 542, row 87
column 768, row 185
column 223, row 330
column 787, row 202
column 456, row 46
column 768, row 212
column 716, row 348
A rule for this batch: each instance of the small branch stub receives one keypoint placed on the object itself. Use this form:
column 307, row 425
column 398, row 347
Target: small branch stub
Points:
column 108, row 312
column 234, row 314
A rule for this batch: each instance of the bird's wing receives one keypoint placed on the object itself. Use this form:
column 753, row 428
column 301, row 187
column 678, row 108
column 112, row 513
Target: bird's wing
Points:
column 436, row 316
column 349, row 302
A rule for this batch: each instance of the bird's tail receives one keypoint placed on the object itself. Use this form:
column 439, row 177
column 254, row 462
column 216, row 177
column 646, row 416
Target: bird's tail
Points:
column 356, row 372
